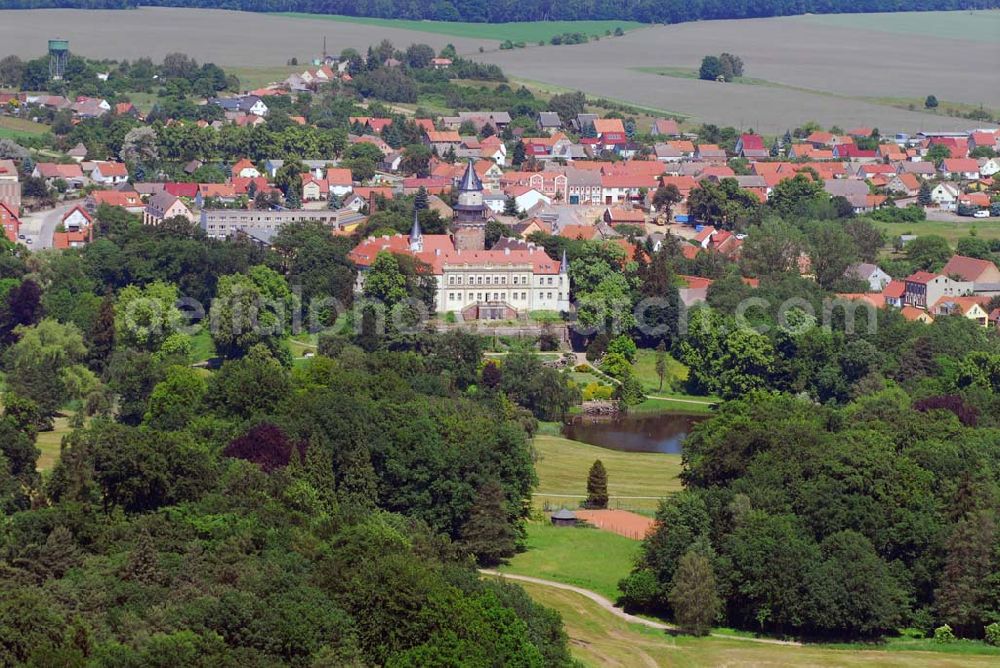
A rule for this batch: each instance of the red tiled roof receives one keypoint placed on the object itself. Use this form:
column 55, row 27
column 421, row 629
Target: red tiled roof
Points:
column 439, row 251
column 921, row 277
column 968, row 268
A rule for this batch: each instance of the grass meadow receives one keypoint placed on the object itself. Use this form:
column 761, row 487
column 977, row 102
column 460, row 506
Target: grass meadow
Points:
column 581, row 556
column 562, row 467
column 598, row 638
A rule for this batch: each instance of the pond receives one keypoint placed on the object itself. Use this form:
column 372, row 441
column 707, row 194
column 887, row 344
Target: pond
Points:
column 663, row 432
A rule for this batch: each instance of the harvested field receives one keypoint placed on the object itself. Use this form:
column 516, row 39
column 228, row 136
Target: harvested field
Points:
column 818, row 72
column 236, row 39
column 847, row 70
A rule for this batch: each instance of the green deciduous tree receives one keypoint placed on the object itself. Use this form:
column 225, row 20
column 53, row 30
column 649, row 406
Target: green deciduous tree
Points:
column 693, row 595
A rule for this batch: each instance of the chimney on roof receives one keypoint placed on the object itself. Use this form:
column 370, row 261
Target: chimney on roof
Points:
column 506, row 251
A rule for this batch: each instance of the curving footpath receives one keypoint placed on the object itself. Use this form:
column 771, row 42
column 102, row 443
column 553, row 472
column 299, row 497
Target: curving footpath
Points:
column 618, row 612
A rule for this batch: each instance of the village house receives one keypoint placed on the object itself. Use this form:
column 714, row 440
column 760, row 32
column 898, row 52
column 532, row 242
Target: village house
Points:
column 245, row 169
column 751, row 147
column 78, row 152
column 246, row 104
column 945, row 195
column 959, row 168
column 109, row 173
column 870, row 274
column 72, row 174
column 924, row 289
column 549, row 121
column 893, row 293
column 223, row 193
column 968, row 307
column 126, row 199
column 10, row 187
column 10, row 222
column 75, row 229
column 665, row 127
column 989, row 166
column 904, row 184
column 616, row 215
column 313, row 189
column 164, row 205
column 339, row 181
column 972, row 270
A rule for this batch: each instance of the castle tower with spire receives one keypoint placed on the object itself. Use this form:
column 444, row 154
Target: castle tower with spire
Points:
column 470, row 212
column 416, row 236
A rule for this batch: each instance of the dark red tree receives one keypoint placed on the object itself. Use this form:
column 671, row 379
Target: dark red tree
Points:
column 966, row 414
column 265, row 445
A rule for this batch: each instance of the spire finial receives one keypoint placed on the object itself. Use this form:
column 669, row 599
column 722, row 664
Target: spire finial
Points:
column 416, row 236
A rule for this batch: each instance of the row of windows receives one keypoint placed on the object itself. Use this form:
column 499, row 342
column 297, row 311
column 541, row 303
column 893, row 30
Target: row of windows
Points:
column 497, row 296
column 499, row 280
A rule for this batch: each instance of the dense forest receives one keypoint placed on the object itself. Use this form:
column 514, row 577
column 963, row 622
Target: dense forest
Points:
column 480, row 11
column 329, row 512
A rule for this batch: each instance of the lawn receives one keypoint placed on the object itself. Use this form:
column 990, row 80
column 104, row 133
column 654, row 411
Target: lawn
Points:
column 645, row 371
column 258, row 77
column 598, row 638
column 581, row 556
column 530, row 32
column 562, row 467
column 50, row 443
column 987, row 228
column 13, row 128
column 202, row 346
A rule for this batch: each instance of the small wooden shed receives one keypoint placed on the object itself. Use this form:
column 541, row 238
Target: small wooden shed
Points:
column 563, row 517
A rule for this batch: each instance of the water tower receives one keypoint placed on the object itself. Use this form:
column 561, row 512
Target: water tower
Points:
column 58, row 58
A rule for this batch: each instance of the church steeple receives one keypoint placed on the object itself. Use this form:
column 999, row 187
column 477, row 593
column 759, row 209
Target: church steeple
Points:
column 470, row 180
column 416, row 236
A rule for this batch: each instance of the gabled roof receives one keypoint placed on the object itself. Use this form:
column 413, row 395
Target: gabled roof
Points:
column 606, row 125
column 894, row 290
column 968, row 268
column 921, row 277
column 112, row 169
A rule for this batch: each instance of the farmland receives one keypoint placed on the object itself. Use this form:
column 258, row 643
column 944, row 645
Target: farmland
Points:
column 530, row 32
column 792, row 54
column 792, row 76
column 15, row 128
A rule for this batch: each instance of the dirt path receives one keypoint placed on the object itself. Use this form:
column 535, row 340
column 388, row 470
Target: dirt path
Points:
column 618, row 612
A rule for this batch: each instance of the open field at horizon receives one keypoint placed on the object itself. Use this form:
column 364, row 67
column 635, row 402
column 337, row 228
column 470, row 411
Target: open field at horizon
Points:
column 598, row 638
column 849, row 73
column 526, row 31
column 833, row 75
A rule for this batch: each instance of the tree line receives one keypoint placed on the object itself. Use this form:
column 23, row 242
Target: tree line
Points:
column 480, row 11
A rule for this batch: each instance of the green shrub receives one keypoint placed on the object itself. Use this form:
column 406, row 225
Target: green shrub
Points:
column 582, row 368
column 944, row 634
column 993, row 634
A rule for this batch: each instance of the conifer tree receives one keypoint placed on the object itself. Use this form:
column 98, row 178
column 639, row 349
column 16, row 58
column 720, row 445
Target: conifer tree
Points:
column 597, row 486
column 924, row 195
column 487, row 533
